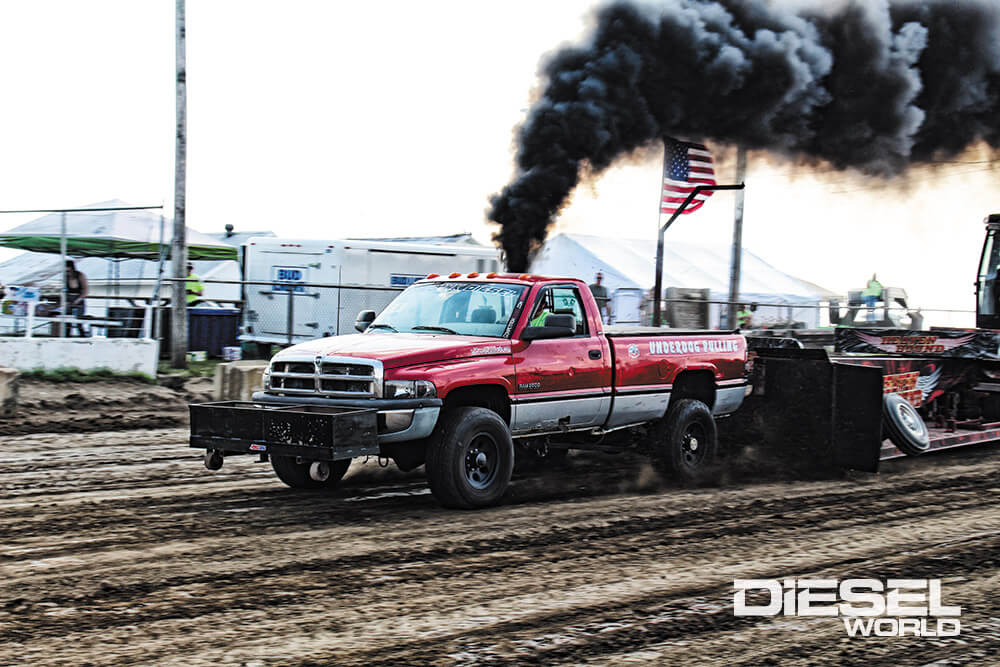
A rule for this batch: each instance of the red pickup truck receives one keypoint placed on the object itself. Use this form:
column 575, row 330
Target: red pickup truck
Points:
column 458, row 368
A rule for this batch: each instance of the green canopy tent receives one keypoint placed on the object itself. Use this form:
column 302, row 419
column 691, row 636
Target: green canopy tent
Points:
column 112, row 230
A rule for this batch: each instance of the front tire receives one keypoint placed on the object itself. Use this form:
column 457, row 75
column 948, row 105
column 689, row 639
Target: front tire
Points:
column 470, row 457
column 296, row 475
column 685, row 442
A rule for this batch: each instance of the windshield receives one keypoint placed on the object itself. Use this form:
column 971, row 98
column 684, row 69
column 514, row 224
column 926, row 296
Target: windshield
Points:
column 467, row 309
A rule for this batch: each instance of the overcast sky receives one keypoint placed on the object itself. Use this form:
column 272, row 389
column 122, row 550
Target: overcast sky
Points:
column 322, row 119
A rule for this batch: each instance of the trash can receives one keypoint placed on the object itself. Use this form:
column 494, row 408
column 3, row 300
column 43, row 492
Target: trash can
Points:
column 131, row 319
column 211, row 329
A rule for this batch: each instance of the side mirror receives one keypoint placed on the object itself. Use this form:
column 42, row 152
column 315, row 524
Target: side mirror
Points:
column 364, row 319
column 556, row 326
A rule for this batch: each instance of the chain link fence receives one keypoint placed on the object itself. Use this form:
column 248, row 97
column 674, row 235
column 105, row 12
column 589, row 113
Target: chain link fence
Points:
column 275, row 313
column 284, row 314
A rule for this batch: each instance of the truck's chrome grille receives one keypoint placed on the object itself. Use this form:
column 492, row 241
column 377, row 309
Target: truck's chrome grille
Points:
column 335, row 377
column 345, row 369
column 292, row 367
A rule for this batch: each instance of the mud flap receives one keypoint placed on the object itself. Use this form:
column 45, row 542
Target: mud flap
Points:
column 810, row 415
column 857, row 416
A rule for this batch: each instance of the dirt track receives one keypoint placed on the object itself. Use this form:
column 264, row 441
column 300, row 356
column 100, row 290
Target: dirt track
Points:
column 67, row 407
column 119, row 547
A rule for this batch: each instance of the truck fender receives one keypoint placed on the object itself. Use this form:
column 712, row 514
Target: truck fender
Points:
column 492, row 396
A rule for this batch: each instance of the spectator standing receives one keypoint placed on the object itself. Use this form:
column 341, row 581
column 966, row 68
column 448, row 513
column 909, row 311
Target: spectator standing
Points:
column 76, row 296
column 744, row 318
column 871, row 294
column 600, row 293
column 192, row 286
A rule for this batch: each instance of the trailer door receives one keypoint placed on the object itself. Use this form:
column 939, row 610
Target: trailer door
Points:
column 287, row 302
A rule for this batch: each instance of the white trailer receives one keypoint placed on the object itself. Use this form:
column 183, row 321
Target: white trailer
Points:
column 312, row 288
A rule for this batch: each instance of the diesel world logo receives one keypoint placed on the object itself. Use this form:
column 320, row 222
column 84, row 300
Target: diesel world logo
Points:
column 868, row 607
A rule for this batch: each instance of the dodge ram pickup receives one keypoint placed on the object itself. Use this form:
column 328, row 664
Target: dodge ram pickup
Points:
column 459, row 368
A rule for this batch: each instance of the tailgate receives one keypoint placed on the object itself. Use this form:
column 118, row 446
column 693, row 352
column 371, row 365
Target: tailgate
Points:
column 314, row 432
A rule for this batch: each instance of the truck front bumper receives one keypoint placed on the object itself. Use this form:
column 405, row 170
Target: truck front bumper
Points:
column 312, row 428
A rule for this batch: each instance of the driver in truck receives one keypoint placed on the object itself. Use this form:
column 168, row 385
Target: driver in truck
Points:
column 542, row 311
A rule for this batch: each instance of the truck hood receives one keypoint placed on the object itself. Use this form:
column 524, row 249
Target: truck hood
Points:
column 399, row 349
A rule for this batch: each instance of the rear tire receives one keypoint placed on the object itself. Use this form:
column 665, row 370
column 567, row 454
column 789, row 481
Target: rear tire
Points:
column 470, row 457
column 685, row 443
column 296, row 475
column 904, row 425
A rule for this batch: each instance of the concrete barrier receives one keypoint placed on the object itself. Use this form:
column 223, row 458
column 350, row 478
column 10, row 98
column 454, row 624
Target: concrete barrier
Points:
column 121, row 355
column 238, row 380
column 8, row 391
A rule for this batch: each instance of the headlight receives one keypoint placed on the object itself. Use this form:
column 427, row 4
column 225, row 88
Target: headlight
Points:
column 267, row 378
column 409, row 389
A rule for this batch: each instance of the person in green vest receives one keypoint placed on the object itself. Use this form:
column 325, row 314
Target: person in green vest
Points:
column 543, row 309
column 192, row 286
column 541, row 314
column 744, row 318
column 871, row 294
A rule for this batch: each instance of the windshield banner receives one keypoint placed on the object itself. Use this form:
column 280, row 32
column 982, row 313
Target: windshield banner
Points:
column 954, row 343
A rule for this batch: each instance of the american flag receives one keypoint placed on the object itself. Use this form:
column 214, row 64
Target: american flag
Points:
column 686, row 165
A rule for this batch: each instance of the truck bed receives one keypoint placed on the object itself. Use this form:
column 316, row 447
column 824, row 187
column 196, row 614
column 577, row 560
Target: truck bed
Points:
column 620, row 330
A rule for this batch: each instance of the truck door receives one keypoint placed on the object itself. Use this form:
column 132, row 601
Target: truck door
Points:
column 562, row 382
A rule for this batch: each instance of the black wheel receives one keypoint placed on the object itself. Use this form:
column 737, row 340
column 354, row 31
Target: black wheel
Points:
column 470, row 457
column 296, row 475
column 904, row 425
column 685, row 442
column 213, row 459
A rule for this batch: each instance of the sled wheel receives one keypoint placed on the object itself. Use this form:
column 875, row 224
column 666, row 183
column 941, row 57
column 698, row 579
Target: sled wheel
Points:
column 470, row 457
column 296, row 475
column 904, row 425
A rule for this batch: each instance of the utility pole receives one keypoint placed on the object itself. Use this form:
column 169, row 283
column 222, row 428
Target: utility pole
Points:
column 178, row 250
column 734, row 267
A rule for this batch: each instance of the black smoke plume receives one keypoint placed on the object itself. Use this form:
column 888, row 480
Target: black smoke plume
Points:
column 867, row 84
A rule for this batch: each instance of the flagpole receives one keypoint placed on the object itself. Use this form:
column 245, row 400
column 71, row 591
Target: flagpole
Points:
column 734, row 267
column 659, row 237
column 691, row 196
column 657, row 286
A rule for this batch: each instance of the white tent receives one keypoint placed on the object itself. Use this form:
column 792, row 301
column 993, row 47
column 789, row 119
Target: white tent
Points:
column 629, row 263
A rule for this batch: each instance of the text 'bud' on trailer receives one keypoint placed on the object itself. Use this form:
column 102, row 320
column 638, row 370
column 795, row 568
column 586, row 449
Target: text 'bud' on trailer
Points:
column 312, row 288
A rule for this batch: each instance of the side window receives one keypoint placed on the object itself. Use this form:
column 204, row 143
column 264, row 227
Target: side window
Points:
column 566, row 301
